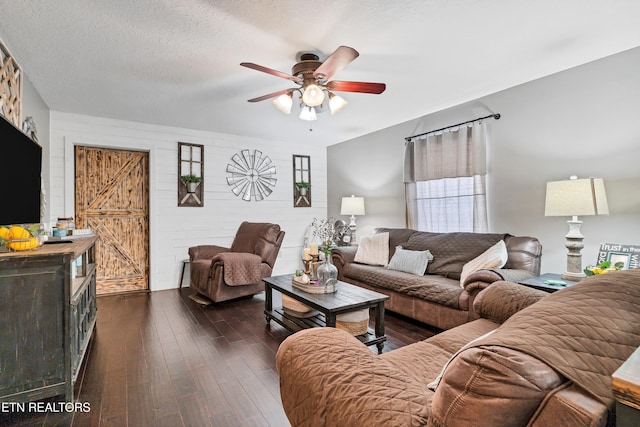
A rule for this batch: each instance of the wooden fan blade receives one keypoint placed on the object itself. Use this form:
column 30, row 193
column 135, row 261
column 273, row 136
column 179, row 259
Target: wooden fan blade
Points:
column 363, row 87
column 270, row 71
column 270, row 95
column 336, row 62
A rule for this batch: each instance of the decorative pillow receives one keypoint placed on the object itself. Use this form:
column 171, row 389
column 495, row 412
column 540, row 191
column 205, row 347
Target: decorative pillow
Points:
column 494, row 257
column 414, row 262
column 373, row 250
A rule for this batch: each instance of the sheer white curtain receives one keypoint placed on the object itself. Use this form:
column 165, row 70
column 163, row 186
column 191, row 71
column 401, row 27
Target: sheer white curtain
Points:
column 444, row 177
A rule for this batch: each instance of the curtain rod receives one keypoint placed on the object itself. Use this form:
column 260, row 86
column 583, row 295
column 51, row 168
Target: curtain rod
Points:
column 409, row 138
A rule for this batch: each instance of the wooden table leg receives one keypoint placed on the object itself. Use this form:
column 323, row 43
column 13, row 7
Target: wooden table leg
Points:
column 268, row 301
column 330, row 319
column 379, row 327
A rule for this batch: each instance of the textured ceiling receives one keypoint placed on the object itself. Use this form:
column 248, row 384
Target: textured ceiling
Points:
column 177, row 62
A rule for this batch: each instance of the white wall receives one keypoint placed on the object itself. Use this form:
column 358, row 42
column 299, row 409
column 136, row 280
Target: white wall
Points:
column 582, row 121
column 174, row 229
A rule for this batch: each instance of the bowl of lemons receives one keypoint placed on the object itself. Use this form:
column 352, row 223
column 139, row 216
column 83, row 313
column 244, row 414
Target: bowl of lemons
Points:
column 21, row 237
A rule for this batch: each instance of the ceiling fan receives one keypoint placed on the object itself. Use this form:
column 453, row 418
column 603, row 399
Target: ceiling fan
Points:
column 313, row 79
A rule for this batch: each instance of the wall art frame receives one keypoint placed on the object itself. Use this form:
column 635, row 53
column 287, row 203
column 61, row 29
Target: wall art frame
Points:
column 252, row 175
column 190, row 175
column 10, row 87
column 301, row 181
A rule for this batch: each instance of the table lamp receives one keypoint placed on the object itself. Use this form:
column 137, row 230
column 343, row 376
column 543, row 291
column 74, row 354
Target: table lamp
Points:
column 352, row 206
column 575, row 197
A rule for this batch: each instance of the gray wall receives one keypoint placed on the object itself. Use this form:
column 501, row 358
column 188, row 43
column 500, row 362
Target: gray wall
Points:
column 583, row 121
column 34, row 106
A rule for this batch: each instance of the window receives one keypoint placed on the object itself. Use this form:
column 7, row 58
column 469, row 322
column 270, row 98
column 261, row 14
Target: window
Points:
column 445, row 178
column 451, row 204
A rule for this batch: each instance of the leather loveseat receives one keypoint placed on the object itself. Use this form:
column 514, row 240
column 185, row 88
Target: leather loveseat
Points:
column 547, row 363
column 438, row 297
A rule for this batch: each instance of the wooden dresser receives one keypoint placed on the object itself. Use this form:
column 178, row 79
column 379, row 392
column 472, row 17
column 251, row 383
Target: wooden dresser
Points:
column 47, row 317
column 625, row 383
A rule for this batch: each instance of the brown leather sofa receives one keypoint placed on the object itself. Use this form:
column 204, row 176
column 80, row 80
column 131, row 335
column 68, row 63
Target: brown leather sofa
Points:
column 438, row 298
column 221, row 273
column 547, row 363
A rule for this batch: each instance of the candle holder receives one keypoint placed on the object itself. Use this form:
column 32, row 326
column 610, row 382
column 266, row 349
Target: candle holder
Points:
column 315, row 262
column 307, row 266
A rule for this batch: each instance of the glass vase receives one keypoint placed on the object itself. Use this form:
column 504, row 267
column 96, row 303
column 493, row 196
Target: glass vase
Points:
column 328, row 275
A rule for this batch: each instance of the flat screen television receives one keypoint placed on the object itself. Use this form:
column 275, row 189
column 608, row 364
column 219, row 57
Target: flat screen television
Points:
column 20, row 176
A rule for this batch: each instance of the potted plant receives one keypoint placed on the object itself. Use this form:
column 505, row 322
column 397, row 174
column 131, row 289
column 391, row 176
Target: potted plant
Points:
column 192, row 182
column 303, row 187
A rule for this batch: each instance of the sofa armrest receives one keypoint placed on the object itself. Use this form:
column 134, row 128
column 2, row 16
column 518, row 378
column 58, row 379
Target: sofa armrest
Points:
column 343, row 255
column 479, row 280
column 493, row 275
column 503, row 299
column 324, row 371
column 205, row 251
column 570, row 406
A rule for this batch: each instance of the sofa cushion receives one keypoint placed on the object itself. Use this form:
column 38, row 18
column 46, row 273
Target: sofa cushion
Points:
column 436, row 289
column 413, row 262
column 374, row 249
column 494, row 257
column 451, row 251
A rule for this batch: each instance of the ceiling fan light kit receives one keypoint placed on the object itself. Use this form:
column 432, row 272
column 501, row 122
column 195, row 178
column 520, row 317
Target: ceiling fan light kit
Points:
column 312, row 76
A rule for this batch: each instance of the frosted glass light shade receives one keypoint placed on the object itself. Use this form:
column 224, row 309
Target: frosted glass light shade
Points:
column 336, row 103
column 313, row 96
column 308, row 113
column 284, row 103
column 576, row 197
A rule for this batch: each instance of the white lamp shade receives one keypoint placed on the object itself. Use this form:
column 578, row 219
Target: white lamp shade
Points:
column 284, row 103
column 576, row 197
column 313, row 96
column 308, row 113
column 352, row 206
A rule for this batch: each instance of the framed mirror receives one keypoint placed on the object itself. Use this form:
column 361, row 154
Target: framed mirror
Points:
column 301, row 181
column 190, row 174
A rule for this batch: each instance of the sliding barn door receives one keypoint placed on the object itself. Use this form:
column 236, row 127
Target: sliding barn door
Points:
column 112, row 198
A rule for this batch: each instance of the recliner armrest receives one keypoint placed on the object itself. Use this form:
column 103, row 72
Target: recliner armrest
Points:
column 205, row 251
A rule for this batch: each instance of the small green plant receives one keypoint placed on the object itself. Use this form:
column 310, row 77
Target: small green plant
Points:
column 191, row 178
column 303, row 184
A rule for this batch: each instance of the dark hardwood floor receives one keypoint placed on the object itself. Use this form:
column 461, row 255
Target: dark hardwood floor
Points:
column 160, row 359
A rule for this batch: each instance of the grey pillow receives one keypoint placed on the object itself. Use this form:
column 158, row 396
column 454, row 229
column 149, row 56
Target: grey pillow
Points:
column 414, row 262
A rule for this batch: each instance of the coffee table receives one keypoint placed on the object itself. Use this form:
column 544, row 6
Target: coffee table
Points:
column 347, row 298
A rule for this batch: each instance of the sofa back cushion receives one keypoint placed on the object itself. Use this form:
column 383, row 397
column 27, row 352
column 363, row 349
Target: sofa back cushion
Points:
column 451, row 251
column 259, row 238
column 396, row 236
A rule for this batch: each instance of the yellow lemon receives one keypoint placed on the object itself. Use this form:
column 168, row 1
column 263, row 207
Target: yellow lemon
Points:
column 17, row 232
column 31, row 243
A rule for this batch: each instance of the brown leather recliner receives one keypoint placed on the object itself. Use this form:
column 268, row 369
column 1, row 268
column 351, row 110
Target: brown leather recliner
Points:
column 222, row 274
